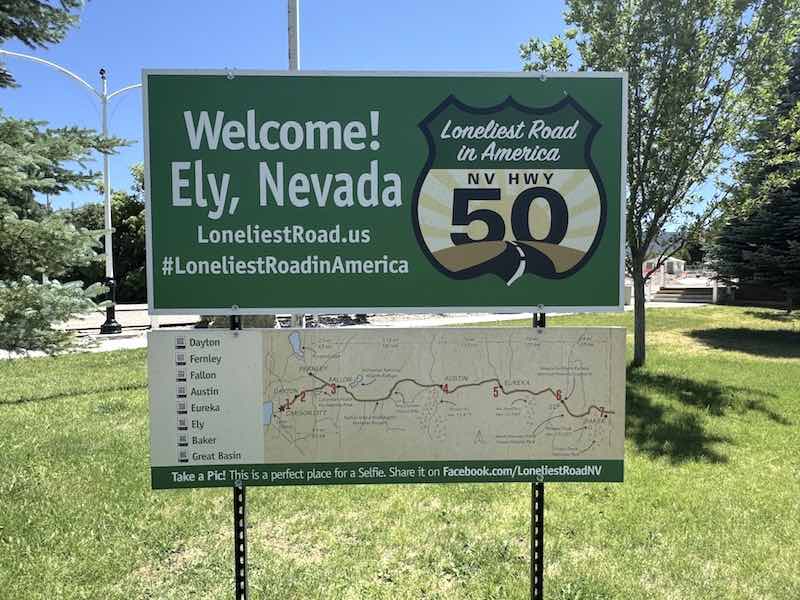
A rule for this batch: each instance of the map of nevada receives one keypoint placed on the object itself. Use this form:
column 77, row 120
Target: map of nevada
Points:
column 444, row 394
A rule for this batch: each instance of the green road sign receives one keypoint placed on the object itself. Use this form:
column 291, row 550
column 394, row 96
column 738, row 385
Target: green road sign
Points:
column 322, row 192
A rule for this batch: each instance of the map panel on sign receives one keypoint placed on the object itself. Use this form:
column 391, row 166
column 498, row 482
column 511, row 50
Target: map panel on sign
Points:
column 344, row 406
column 444, row 394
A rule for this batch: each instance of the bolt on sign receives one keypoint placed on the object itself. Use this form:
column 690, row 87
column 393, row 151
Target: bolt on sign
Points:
column 323, row 192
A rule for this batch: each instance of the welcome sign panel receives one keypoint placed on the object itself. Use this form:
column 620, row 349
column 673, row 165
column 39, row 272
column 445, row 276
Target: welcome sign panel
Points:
column 351, row 192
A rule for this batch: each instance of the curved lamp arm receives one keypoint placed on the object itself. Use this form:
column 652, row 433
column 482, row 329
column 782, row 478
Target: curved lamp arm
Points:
column 125, row 89
column 52, row 65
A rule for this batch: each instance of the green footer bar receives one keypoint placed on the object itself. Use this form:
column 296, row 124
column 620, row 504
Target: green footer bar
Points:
column 387, row 472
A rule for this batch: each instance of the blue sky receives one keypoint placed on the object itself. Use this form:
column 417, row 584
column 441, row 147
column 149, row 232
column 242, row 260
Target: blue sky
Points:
column 125, row 36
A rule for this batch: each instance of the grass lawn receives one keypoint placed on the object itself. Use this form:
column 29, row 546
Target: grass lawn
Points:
column 710, row 507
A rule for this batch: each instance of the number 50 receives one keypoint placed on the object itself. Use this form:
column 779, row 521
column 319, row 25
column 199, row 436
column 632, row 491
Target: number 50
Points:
column 520, row 211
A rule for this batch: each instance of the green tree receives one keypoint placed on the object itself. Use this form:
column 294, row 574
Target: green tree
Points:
column 770, row 155
column 31, row 252
column 760, row 241
column 37, row 247
column 697, row 71
column 693, row 252
column 127, row 220
column 36, row 24
column 43, row 249
column 42, row 161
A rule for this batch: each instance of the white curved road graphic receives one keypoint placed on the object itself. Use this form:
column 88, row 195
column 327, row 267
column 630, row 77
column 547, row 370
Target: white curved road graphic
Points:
column 521, row 268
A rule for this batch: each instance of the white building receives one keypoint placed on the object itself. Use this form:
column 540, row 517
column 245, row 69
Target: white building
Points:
column 672, row 266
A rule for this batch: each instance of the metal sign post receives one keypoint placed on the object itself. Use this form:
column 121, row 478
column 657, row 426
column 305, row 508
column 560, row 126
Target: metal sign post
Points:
column 239, row 541
column 537, row 517
column 537, row 540
column 239, row 519
column 239, row 494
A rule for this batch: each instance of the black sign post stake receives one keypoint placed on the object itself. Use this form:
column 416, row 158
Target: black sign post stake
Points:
column 239, row 520
column 537, row 540
column 537, row 518
column 239, row 541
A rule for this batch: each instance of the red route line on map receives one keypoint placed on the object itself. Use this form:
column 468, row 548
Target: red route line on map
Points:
column 334, row 386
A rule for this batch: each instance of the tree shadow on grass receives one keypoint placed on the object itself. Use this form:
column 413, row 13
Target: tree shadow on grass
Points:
column 70, row 394
column 774, row 343
column 661, row 430
column 779, row 317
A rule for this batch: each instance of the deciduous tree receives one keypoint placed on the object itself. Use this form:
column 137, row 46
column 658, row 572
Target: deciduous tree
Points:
column 696, row 73
column 127, row 220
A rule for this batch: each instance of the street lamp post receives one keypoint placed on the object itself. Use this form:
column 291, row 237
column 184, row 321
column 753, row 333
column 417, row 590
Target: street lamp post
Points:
column 111, row 325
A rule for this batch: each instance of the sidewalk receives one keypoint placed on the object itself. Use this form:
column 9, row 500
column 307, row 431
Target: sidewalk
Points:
column 129, row 316
column 136, row 322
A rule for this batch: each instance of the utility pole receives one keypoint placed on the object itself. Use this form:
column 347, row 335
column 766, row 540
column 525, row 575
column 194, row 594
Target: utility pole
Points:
column 293, row 21
column 294, row 35
column 110, row 326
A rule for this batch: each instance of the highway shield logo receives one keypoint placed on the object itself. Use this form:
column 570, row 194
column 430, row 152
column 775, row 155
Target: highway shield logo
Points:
column 509, row 190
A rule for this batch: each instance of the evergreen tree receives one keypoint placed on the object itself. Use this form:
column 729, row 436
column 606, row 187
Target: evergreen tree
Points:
column 771, row 154
column 40, row 161
column 760, row 242
column 36, row 248
column 36, row 24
